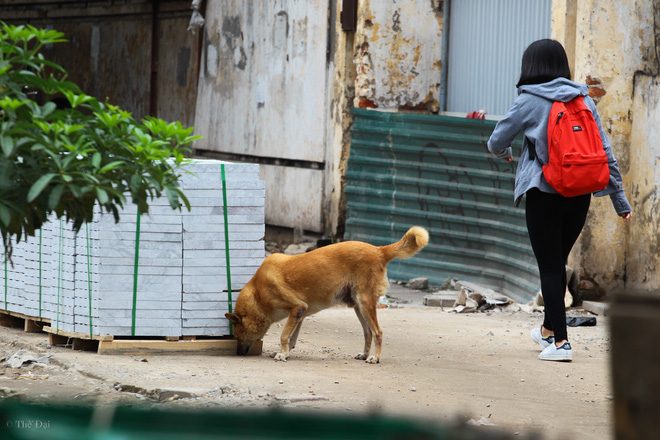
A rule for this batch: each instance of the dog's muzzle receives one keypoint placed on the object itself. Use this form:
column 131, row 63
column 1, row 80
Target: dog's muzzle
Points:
column 243, row 349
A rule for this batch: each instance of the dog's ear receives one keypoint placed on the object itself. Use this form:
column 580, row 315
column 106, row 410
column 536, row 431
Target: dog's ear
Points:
column 233, row 318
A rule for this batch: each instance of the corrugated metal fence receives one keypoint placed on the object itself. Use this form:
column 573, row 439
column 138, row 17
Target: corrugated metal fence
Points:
column 436, row 172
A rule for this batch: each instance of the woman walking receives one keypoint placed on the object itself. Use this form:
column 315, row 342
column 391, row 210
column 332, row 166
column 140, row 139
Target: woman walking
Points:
column 554, row 222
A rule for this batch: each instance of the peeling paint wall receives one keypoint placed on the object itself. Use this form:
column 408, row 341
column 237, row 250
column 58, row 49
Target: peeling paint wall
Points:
column 398, row 55
column 262, row 97
column 608, row 42
column 342, row 93
column 263, row 80
column 278, row 80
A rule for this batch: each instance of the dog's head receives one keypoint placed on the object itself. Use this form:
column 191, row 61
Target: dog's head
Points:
column 249, row 323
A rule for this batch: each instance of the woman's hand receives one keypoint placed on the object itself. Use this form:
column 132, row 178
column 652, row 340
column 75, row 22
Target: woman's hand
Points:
column 626, row 216
column 509, row 159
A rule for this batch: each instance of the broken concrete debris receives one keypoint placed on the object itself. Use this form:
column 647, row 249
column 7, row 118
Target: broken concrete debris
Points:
column 440, row 299
column 595, row 307
column 472, row 297
column 419, row 283
column 159, row 395
column 25, row 357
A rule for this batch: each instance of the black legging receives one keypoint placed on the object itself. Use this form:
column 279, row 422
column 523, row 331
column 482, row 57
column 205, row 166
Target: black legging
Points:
column 554, row 223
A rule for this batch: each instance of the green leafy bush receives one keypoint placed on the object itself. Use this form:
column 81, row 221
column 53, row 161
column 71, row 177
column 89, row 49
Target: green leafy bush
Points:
column 62, row 151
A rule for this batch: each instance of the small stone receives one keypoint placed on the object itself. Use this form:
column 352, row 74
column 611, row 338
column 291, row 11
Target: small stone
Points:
column 281, row 382
column 420, row 283
column 413, row 389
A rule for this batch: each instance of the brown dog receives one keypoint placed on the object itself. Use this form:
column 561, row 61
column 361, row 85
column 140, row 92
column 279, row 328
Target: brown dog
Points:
column 351, row 273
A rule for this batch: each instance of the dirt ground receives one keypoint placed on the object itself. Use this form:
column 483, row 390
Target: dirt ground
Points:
column 436, row 365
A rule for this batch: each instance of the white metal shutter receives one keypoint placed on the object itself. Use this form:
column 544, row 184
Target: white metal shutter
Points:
column 486, row 42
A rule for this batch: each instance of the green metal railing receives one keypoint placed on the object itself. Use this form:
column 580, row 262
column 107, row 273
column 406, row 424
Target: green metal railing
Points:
column 436, row 172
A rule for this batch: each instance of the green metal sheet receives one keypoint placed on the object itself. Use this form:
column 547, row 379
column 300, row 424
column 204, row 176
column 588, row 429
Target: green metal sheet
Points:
column 436, row 171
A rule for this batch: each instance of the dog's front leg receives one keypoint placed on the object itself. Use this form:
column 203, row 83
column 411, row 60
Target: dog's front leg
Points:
column 294, row 336
column 295, row 318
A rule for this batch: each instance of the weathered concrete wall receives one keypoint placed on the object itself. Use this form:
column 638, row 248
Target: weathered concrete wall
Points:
column 398, row 55
column 611, row 40
column 342, row 93
column 391, row 62
column 643, row 259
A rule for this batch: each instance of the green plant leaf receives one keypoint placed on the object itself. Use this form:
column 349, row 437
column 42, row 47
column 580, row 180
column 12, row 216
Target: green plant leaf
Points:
column 102, row 195
column 7, row 145
column 5, row 215
column 47, row 109
column 39, row 186
column 96, row 160
column 55, row 196
column 111, row 166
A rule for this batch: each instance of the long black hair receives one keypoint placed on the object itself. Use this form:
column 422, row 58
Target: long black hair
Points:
column 543, row 61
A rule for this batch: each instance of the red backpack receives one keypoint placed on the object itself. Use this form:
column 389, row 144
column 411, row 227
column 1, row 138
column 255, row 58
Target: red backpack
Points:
column 577, row 163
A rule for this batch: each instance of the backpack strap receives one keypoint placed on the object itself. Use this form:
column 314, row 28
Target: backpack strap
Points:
column 531, row 149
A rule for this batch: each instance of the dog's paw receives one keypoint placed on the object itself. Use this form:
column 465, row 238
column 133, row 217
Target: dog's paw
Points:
column 281, row 357
column 373, row 360
column 362, row 356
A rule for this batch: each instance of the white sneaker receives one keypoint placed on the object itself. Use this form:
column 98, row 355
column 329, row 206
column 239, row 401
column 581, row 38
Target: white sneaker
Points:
column 554, row 353
column 539, row 339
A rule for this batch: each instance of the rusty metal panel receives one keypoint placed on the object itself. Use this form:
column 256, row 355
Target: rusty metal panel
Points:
column 399, row 53
column 110, row 60
column 436, row 172
column 177, row 67
column 112, row 52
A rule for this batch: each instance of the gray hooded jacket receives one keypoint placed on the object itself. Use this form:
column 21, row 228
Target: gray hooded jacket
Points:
column 529, row 114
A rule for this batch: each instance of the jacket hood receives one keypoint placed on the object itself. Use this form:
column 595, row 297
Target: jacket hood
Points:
column 559, row 89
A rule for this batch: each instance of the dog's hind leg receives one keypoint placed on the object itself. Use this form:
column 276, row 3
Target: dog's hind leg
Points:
column 368, row 310
column 292, row 324
column 367, row 335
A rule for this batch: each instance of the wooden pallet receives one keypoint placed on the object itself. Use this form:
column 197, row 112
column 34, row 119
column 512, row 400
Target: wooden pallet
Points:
column 30, row 324
column 108, row 344
column 194, row 346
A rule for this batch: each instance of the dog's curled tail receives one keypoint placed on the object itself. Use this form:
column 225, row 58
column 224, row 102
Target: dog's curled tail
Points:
column 411, row 243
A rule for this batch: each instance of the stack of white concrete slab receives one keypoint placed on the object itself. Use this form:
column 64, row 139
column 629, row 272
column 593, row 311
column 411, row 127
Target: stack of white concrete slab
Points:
column 179, row 285
column 12, row 284
column 154, row 286
column 41, row 273
column 205, row 282
column 38, row 276
column 86, row 279
column 58, row 299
